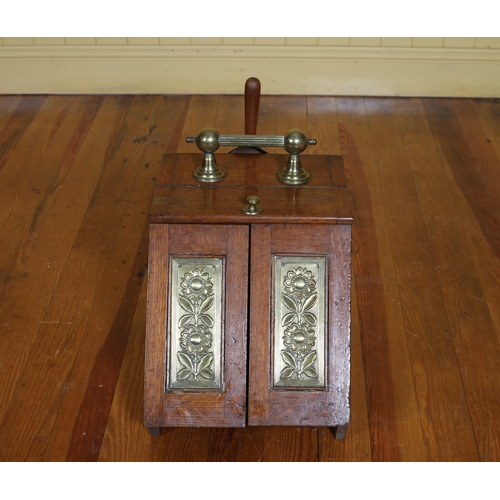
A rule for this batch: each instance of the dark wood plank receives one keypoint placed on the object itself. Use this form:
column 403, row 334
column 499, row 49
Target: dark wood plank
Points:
column 447, row 149
column 27, row 205
column 291, row 113
column 34, row 131
column 427, row 329
column 467, row 263
column 17, row 123
column 8, row 105
column 58, row 329
column 230, row 117
column 465, row 161
column 447, row 243
column 392, row 403
column 202, row 113
column 125, row 435
column 322, row 125
column 26, row 308
column 488, row 112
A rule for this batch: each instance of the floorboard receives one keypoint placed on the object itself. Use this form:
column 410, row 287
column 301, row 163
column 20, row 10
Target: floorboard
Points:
column 77, row 174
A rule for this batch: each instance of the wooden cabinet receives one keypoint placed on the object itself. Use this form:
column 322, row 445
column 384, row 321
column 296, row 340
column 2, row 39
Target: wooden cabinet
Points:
column 248, row 319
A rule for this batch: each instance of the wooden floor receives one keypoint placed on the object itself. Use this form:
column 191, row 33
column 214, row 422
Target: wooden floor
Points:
column 76, row 178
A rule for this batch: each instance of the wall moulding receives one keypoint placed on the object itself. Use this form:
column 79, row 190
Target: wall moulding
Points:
column 202, row 69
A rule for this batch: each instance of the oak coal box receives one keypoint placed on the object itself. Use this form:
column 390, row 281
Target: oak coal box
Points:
column 248, row 315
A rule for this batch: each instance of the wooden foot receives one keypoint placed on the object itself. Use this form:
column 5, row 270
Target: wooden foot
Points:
column 339, row 432
column 154, row 431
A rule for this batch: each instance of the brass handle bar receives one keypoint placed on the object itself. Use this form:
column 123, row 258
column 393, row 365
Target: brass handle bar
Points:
column 252, row 140
column 245, row 140
column 294, row 141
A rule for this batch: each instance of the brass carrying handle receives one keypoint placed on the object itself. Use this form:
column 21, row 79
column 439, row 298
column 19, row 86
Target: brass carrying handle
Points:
column 294, row 141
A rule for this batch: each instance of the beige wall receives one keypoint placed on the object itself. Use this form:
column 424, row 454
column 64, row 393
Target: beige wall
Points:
column 330, row 66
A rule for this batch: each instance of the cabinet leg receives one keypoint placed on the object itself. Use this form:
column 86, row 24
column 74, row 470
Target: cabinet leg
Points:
column 339, row 432
column 154, row 431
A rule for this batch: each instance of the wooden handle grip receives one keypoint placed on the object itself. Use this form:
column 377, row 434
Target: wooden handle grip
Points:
column 252, row 101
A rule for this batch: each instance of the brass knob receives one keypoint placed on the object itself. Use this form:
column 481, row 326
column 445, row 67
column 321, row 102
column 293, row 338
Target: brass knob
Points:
column 208, row 142
column 252, row 207
column 293, row 173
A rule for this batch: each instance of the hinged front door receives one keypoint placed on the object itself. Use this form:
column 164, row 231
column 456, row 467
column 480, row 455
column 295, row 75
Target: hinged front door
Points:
column 299, row 325
column 196, row 338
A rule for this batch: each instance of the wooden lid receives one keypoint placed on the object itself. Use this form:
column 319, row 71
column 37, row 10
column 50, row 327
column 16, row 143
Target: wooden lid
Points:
column 179, row 198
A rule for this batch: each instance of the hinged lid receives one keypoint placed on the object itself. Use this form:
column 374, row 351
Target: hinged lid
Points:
column 179, row 198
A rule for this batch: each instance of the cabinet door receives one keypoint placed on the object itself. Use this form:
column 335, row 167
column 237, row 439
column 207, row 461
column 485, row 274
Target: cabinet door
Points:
column 196, row 332
column 299, row 325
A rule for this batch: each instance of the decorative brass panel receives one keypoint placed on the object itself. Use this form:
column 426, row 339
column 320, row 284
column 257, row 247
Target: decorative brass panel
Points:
column 196, row 326
column 300, row 321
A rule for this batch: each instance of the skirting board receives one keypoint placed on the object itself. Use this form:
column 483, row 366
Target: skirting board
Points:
column 315, row 70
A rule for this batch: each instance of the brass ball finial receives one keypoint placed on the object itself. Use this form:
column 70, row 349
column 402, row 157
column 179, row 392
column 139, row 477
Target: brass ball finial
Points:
column 295, row 141
column 208, row 140
column 253, row 199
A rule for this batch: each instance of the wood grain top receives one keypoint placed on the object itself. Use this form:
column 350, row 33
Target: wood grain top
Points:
column 254, row 170
column 181, row 199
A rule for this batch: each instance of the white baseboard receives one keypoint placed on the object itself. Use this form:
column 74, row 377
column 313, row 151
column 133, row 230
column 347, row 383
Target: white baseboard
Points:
column 314, row 70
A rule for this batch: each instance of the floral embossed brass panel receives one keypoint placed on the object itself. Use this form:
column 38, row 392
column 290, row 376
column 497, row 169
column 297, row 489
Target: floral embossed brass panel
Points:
column 300, row 315
column 196, row 331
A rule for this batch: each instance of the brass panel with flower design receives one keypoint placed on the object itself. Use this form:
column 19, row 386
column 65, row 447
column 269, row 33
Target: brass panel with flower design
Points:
column 196, row 327
column 300, row 317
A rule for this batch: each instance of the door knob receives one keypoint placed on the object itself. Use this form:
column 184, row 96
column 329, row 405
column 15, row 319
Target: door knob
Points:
column 252, row 207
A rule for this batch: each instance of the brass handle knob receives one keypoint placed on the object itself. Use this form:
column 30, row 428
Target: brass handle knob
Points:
column 208, row 142
column 252, row 207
